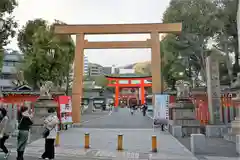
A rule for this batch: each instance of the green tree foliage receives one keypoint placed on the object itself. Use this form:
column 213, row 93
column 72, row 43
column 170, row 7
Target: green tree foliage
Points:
column 48, row 57
column 173, row 68
column 227, row 38
column 200, row 24
column 101, row 81
column 8, row 30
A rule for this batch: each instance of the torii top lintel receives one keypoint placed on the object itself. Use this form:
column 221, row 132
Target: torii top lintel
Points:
column 128, row 77
column 119, row 28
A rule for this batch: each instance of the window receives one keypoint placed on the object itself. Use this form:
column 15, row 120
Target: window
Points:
column 94, row 70
column 10, row 63
column 6, row 88
column 94, row 74
column 8, row 76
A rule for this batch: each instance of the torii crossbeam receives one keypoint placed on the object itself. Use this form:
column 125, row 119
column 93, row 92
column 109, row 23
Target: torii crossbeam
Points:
column 81, row 30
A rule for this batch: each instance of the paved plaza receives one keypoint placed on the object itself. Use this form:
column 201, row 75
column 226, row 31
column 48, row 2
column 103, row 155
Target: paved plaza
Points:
column 137, row 131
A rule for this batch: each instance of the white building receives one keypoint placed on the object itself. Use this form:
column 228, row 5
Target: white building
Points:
column 126, row 71
column 11, row 59
column 85, row 68
column 86, row 65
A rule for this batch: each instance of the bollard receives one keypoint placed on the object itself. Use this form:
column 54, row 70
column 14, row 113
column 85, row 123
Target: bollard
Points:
column 57, row 142
column 154, row 143
column 120, row 142
column 86, row 145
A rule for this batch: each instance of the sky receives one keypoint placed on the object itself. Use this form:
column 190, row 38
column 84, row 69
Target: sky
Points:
column 97, row 12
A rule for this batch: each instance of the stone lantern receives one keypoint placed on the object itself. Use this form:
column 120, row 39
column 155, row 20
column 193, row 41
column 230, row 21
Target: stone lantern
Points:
column 41, row 106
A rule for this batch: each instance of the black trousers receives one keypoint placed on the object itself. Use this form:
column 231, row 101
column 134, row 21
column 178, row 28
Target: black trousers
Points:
column 2, row 143
column 49, row 149
column 162, row 127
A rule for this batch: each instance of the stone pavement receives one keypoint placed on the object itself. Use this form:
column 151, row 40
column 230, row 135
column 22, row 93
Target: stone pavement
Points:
column 216, row 148
column 12, row 141
column 136, row 129
column 93, row 115
column 121, row 119
column 137, row 145
column 216, row 158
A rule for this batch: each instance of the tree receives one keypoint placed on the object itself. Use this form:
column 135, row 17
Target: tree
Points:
column 172, row 67
column 227, row 39
column 101, row 81
column 200, row 24
column 8, row 30
column 47, row 57
column 143, row 68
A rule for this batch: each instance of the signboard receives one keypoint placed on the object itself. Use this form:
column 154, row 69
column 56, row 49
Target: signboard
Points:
column 98, row 101
column 65, row 109
column 161, row 108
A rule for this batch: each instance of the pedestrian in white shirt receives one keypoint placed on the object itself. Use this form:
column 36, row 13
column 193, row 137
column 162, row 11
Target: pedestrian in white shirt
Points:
column 4, row 131
column 51, row 126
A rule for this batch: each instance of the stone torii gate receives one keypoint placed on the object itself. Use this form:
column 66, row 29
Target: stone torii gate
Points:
column 81, row 30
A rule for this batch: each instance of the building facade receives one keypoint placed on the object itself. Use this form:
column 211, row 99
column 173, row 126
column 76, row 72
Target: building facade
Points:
column 107, row 70
column 11, row 60
column 85, row 65
column 95, row 69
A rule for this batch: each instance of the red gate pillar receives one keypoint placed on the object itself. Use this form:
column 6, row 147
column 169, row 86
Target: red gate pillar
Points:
column 142, row 92
column 116, row 93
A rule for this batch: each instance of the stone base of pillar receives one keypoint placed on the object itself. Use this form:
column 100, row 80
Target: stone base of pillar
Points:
column 216, row 130
column 233, row 130
column 235, row 125
column 76, row 125
column 238, row 144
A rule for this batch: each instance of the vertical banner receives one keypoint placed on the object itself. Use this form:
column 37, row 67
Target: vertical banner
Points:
column 65, row 109
column 161, row 114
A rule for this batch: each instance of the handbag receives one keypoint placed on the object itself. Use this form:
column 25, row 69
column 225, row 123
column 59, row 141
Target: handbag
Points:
column 45, row 133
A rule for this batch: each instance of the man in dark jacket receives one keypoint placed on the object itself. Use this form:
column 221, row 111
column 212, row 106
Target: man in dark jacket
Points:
column 144, row 109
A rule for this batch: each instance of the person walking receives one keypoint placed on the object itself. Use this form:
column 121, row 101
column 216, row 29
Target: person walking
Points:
column 144, row 109
column 132, row 108
column 24, row 124
column 50, row 133
column 4, row 131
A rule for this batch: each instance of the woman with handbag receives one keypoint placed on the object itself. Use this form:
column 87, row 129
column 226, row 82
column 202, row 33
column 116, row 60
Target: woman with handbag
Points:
column 50, row 133
column 24, row 124
column 4, row 131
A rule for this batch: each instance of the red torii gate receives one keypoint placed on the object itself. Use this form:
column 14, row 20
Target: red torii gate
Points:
column 114, row 82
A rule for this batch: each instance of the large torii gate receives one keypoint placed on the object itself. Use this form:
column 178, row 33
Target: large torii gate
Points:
column 81, row 30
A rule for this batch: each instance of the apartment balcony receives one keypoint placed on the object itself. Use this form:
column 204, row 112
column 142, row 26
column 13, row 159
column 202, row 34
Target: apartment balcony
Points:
column 6, row 83
column 13, row 57
column 9, row 69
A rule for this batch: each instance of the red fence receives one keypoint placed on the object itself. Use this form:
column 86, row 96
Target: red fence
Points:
column 201, row 107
